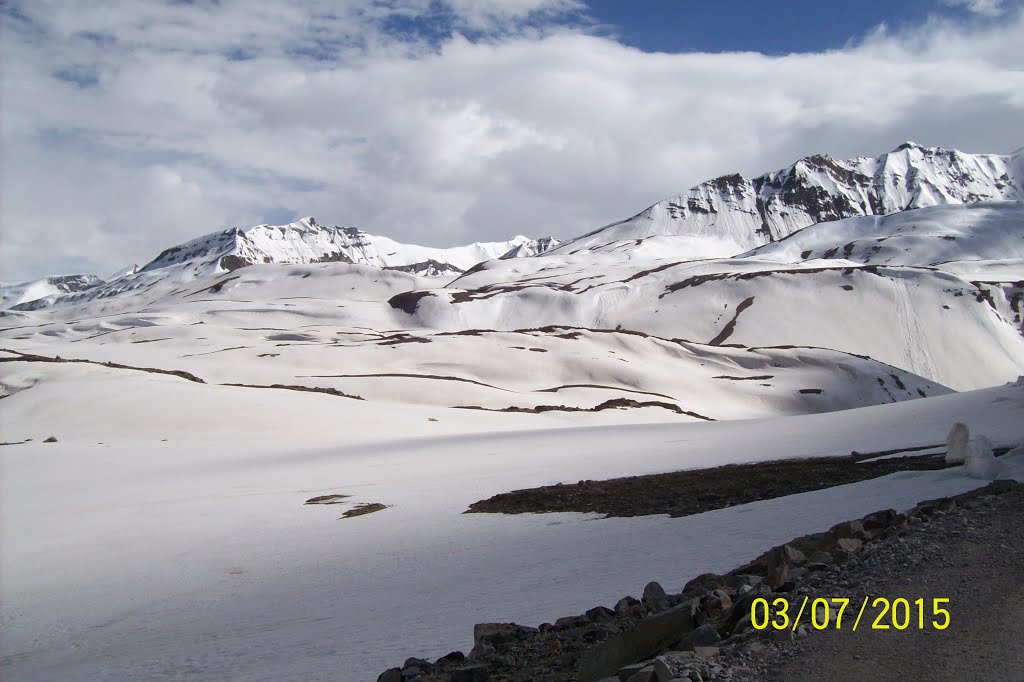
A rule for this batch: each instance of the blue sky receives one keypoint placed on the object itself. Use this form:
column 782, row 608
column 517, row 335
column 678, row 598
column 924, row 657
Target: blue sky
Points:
column 771, row 28
column 750, row 25
column 131, row 125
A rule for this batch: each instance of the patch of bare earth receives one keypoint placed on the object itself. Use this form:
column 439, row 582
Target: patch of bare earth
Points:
column 683, row 493
column 363, row 509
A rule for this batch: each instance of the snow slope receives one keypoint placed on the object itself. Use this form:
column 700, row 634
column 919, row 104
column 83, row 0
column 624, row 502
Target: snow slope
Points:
column 934, row 291
column 15, row 293
column 331, row 326
column 732, row 214
column 984, row 231
column 194, row 558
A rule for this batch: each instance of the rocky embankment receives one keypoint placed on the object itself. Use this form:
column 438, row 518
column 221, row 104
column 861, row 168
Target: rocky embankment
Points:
column 705, row 632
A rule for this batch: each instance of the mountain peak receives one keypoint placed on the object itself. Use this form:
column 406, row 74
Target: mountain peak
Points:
column 909, row 144
column 731, row 214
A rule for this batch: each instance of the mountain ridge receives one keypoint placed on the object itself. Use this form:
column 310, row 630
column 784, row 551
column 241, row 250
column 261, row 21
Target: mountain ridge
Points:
column 721, row 217
column 302, row 242
column 16, row 293
column 307, row 241
column 732, row 214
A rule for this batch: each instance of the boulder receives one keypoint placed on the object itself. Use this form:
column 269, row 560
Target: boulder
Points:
column 390, row 675
column 627, row 671
column 654, row 593
column 453, row 657
column 566, row 622
column 790, row 555
column 649, row 637
column 645, row 674
column 744, row 623
column 414, row 667
column 743, row 603
column 956, row 443
column 705, row 635
column 849, row 544
column 472, row 673
column 623, row 606
column 704, row 582
column 882, row 519
column 662, row 671
column 778, row 577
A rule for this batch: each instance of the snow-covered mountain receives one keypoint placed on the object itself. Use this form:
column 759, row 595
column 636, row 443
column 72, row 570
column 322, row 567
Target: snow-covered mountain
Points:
column 302, row 242
column 732, row 214
column 534, row 247
column 307, row 241
column 15, row 293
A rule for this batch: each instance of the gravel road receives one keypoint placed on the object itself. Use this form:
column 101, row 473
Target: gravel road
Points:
column 975, row 557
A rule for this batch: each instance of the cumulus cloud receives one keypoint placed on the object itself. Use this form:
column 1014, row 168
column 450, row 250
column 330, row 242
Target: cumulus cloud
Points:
column 129, row 126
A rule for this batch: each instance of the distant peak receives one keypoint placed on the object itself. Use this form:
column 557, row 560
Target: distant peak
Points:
column 909, row 144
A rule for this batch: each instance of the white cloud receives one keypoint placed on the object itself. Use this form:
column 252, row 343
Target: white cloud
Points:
column 189, row 118
column 987, row 8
